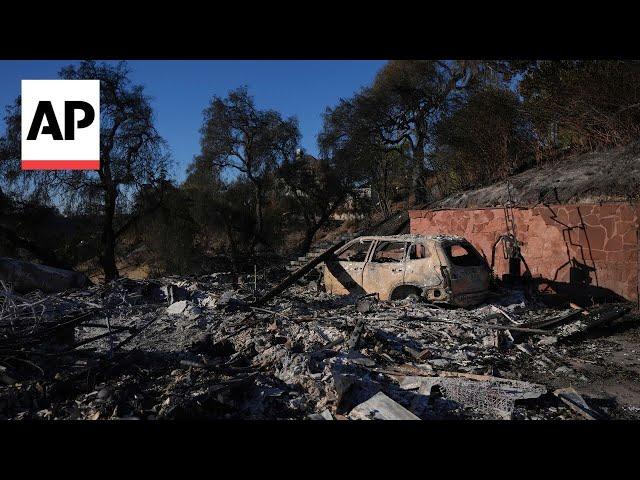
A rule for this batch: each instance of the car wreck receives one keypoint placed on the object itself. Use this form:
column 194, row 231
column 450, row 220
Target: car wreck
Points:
column 438, row 268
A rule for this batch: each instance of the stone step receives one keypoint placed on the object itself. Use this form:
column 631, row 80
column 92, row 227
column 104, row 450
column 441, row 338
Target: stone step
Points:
column 293, row 268
column 317, row 249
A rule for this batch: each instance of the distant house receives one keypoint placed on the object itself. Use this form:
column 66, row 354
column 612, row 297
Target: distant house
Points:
column 349, row 211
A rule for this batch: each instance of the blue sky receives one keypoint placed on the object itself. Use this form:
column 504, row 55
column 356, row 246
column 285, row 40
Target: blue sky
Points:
column 180, row 90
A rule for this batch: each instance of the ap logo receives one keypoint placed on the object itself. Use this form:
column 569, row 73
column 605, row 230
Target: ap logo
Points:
column 60, row 124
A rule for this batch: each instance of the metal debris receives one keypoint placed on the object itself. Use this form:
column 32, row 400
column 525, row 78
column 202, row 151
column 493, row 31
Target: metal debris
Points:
column 302, row 355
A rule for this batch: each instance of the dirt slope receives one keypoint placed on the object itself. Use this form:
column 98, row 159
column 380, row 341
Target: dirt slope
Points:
column 588, row 178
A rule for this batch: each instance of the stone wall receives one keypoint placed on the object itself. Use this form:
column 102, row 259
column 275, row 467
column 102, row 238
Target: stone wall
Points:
column 590, row 246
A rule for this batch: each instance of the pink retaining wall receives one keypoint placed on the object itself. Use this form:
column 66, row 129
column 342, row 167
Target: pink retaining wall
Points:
column 601, row 240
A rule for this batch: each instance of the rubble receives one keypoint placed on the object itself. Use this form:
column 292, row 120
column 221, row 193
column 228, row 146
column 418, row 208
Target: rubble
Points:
column 198, row 347
column 381, row 407
column 491, row 395
column 575, row 401
column 184, row 307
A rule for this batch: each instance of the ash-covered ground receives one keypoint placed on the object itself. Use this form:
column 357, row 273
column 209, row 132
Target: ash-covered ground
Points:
column 195, row 348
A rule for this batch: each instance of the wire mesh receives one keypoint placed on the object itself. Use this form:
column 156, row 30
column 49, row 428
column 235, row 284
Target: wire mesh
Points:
column 487, row 396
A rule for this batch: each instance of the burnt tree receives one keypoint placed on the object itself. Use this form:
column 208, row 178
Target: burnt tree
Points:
column 131, row 155
column 238, row 137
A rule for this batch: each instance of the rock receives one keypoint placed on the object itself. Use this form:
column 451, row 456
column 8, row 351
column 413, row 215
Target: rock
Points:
column 324, row 415
column 411, row 382
column 208, row 302
column 360, row 359
column 551, row 340
column 225, row 298
column 364, row 305
column 25, row 277
column 439, row 362
column 184, row 308
column 564, row 371
column 177, row 308
column 490, row 340
column 342, row 382
column 230, row 302
column 192, row 312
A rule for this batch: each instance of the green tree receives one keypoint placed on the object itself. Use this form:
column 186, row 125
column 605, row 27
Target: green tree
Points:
column 395, row 117
column 485, row 139
column 316, row 190
column 583, row 105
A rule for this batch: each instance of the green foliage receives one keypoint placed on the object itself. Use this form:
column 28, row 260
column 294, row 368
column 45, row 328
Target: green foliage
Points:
column 166, row 227
column 421, row 130
column 484, row 140
column 239, row 139
column 584, row 105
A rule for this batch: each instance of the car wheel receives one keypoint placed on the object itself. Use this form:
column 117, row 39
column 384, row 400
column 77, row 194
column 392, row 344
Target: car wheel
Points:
column 406, row 292
column 412, row 298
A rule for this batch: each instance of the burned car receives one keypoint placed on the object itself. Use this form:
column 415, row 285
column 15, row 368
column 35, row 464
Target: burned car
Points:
column 438, row 268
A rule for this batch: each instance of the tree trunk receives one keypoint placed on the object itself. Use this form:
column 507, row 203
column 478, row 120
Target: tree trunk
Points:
column 108, row 255
column 308, row 238
column 232, row 244
column 313, row 228
column 418, row 158
column 259, row 216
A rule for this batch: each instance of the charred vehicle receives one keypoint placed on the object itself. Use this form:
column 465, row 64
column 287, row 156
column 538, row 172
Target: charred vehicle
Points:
column 438, row 268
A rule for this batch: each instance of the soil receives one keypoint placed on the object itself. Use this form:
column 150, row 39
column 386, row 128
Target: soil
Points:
column 588, row 178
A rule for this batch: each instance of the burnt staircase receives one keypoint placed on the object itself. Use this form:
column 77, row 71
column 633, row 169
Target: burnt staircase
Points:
column 319, row 248
column 395, row 224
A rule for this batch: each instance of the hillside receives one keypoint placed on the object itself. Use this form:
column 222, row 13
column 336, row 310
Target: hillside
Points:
column 587, row 178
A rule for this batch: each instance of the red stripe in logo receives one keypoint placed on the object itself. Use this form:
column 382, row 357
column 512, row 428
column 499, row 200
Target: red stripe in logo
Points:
column 60, row 164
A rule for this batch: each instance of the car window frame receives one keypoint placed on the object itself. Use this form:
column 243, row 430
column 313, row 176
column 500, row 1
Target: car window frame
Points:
column 351, row 244
column 468, row 246
column 426, row 251
column 373, row 250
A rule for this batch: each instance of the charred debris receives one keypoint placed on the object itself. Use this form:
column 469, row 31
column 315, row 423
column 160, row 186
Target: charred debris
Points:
column 220, row 346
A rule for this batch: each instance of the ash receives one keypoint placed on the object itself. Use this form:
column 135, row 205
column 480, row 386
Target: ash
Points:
column 196, row 348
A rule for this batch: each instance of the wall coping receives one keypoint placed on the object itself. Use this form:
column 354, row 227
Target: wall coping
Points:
column 529, row 207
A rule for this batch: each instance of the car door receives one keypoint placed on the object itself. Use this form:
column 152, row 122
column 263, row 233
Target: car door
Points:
column 343, row 273
column 420, row 268
column 385, row 269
